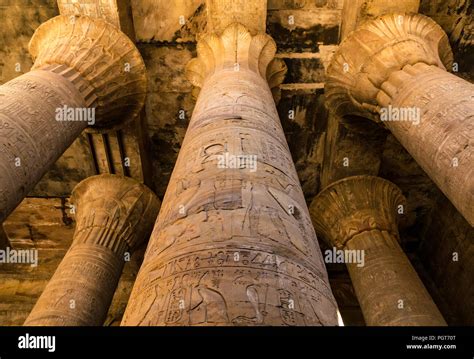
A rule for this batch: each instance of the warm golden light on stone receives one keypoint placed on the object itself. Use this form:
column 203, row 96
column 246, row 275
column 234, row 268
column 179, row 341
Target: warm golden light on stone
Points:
column 114, row 215
column 361, row 213
column 233, row 244
column 236, row 163
column 80, row 63
column 400, row 60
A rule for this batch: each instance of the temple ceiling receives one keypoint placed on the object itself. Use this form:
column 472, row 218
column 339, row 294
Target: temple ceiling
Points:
column 307, row 34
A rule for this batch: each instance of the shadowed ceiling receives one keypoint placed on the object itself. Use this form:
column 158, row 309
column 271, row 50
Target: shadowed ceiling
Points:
column 319, row 146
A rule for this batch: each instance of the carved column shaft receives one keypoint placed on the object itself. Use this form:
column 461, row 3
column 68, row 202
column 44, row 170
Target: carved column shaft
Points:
column 81, row 289
column 387, row 287
column 359, row 214
column 114, row 215
column 86, row 72
column 442, row 141
column 31, row 139
column 233, row 244
column 396, row 65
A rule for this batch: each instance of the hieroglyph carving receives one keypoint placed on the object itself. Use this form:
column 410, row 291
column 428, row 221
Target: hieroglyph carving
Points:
column 361, row 213
column 80, row 63
column 233, row 245
column 113, row 216
column 398, row 63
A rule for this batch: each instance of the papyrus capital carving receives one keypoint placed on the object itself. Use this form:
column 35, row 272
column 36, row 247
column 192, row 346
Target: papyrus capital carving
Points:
column 121, row 206
column 114, row 215
column 102, row 55
column 354, row 205
column 359, row 215
column 233, row 244
column 376, row 49
column 236, row 50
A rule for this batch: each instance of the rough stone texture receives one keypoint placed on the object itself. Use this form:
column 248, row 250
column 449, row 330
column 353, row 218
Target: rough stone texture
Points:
column 222, row 13
column 113, row 65
column 68, row 71
column 360, row 213
column 355, row 12
column 169, row 106
column 230, row 240
column 162, row 21
column 371, row 72
column 31, row 139
column 306, row 49
column 105, row 9
column 47, row 225
column 20, row 18
column 114, row 215
column 421, row 193
column 41, row 222
column 447, row 254
column 345, row 138
column 456, row 19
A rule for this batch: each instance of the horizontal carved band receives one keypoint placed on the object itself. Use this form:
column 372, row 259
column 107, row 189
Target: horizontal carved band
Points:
column 84, row 87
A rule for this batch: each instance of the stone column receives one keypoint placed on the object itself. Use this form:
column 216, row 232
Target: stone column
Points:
column 86, row 72
column 233, row 244
column 358, row 215
column 393, row 70
column 114, row 215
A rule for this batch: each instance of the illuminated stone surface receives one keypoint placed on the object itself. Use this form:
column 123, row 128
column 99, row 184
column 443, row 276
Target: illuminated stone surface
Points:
column 324, row 148
column 80, row 63
column 400, row 61
column 360, row 213
column 114, row 215
column 233, row 246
